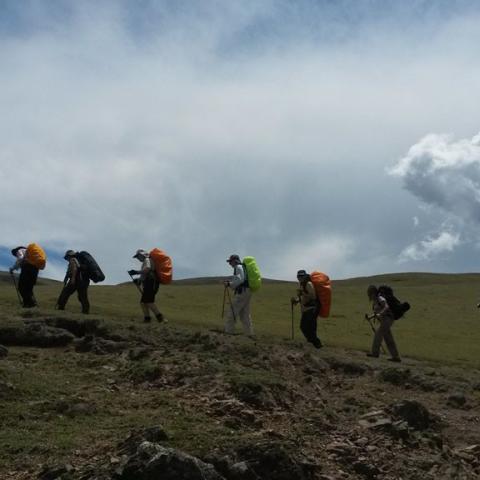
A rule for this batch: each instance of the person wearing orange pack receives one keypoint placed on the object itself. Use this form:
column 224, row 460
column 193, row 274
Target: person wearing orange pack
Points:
column 310, row 306
column 149, row 284
column 28, row 277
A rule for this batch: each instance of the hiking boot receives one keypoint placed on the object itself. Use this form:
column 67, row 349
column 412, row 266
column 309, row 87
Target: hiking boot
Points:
column 147, row 319
column 395, row 359
column 160, row 318
column 372, row 355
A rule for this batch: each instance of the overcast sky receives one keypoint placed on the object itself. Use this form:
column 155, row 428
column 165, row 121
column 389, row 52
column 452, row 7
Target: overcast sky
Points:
column 339, row 136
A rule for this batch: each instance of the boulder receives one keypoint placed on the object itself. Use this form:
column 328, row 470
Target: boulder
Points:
column 55, row 472
column 268, row 461
column 35, row 335
column 395, row 376
column 78, row 327
column 153, row 461
column 347, row 367
column 414, row 413
column 456, row 400
column 99, row 346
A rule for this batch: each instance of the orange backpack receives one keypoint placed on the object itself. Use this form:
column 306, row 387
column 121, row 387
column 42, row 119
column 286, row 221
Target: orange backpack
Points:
column 323, row 288
column 163, row 265
column 36, row 256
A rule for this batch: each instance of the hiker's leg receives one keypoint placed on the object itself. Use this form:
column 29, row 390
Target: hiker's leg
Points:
column 307, row 325
column 244, row 311
column 146, row 312
column 388, row 337
column 304, row 326
column 315, row 340
column 82, row 293
column 377, row 341
column 26, row 282
column 67, row 290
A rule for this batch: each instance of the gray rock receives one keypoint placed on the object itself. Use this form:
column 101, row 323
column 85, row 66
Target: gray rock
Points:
column 99, row 346
column 457, row 400
column 365, row 469
column 55, row 472
column 153, row 461
column 35, row 334
column 77, row 327
column 347, row 367
column 414, row 413
column 395, row 376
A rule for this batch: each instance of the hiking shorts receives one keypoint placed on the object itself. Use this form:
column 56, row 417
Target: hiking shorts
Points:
column 150, row 289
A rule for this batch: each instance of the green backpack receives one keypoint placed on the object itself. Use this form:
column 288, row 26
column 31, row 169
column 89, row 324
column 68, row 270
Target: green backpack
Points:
column 254, row 277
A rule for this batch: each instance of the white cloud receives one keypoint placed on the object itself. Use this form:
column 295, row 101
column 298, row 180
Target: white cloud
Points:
column 206, row 134
column 444, row 173
column 429, row 248
column 328, row 253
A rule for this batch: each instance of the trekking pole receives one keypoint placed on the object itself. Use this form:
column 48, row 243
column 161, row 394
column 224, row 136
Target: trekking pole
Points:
column 231, row 304
column 368, row 319
column 224, row 298
column 136, row 284
column 16, row 288
column 293, row 332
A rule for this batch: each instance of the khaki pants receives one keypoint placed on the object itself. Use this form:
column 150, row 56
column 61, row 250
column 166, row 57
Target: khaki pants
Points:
column 384, row 332
column 241, row 308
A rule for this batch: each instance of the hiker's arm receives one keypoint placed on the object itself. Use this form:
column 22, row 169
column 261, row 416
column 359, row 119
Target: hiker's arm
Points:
column 238, row 277
column 72, row 271
column 18, row 261
column 146, row 269
column 383, row 307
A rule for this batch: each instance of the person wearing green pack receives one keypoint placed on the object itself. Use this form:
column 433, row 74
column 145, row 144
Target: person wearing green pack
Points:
column 240, row 304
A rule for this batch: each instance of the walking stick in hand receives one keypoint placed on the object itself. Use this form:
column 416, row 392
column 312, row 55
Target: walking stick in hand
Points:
column 293, row 331
column 224, row 298
column 369, row 320
column 16, row 288
column 231, row 304
column 134, row 281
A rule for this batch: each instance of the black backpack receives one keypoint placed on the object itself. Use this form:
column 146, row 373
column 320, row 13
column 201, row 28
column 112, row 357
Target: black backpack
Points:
column 396, row 306
column 89, row 265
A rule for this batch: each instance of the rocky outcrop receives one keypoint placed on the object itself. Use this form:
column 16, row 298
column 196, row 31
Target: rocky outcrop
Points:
column 153, row 461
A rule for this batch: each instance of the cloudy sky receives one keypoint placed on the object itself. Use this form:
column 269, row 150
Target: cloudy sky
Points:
column 317, row 134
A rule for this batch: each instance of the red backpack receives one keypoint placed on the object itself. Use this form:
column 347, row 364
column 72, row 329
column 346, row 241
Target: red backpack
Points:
column 163, row 265
column 323, row 288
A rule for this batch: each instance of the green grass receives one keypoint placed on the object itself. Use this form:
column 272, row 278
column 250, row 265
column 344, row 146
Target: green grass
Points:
column 443, row 325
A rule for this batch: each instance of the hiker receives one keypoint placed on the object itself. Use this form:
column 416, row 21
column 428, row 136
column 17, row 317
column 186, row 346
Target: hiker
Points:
column 148, row 283
column 240, row 304
column 382, row 313
column 310, row 306
column 28, row 276
column 76, row 280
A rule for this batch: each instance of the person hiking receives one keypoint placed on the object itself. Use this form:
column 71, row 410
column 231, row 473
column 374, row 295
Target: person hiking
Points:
column 76, row 280
column 240, row 303
column 149, row 285
column 28, row 276
column 310, row 306
column 382, row 313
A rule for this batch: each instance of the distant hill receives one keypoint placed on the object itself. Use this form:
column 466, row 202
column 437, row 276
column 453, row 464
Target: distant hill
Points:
column 6, row 278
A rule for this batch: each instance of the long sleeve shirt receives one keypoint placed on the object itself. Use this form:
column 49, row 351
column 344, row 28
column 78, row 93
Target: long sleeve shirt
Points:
column 238, row 277
column 146, row 269
column 72, row 270
column 308, row 297
column 20, row 258
column 381, row 308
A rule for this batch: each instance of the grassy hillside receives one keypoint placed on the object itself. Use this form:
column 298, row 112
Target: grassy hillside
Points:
column 215, row 395
column 443, row 325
